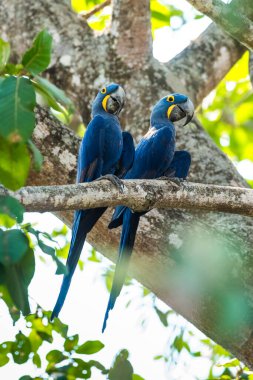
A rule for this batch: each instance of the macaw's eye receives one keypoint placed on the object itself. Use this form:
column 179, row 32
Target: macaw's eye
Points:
column 171, row 98
column 103, row 91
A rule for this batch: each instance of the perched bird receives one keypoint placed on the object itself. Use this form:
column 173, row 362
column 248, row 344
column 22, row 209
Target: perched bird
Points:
column 155, row 157
column 102, row 153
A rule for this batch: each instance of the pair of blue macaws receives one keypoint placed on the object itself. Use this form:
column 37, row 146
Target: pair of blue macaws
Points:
column 107, row 152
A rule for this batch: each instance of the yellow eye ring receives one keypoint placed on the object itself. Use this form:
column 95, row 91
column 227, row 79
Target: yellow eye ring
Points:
column 171, row 98
column 103, row 91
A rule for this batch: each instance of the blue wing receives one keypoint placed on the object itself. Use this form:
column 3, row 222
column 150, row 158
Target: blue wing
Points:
column 180, row 165
column 153, row 156
column 127, row 156
column 90, row 159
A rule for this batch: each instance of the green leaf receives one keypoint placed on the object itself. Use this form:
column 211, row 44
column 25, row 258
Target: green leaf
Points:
column 198, row 17
column 162, row 316
column 17, row 102
column 58, row 326
column 5, row 347
column 13, row 245
column 231, row 363
column 137, row 377
column 51, row 252
column 55, row 356
column 18, row 278
column 12, row 207
column 55, row 92
column 12, row 69
column 122, row 368
column 5, row 50
column 3, row 360
column 7, row 221
column 158, row 357
column 14, row 164
column 161, row 14
column 71, row 342
column 6, row 297
column 48, row 98
column 37, row 360
column 21, row 349
column 37, row 156
column 90, row 347
column 35, row 339
column 37, row 59
column 46, row 248
column 93, row 257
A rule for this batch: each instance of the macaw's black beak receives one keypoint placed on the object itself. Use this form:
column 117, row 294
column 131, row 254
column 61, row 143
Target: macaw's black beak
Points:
column 116, row 101
column 182, row 113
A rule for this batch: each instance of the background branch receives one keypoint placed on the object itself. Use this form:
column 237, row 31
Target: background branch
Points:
column 234, row 22
column 139, row 195
column 97, row 8
column 203, row 64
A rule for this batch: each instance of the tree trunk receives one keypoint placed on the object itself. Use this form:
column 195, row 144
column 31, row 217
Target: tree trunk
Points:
column 199, row 263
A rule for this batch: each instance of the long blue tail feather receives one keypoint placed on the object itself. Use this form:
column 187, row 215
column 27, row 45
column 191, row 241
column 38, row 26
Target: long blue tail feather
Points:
column 83, row 222
column 130, row 225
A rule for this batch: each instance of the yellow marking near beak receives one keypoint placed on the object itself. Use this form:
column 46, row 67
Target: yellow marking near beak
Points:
column 170, row 109
column 104, row 102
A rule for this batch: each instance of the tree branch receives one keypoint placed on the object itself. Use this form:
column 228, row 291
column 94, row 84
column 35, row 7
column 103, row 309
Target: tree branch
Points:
column 131, row 31
column 139, row 195
column 237, row 24
column 203, row 64
column 86, row 15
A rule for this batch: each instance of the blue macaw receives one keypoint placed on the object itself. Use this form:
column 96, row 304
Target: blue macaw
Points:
column 102, row 154
column 155, row 157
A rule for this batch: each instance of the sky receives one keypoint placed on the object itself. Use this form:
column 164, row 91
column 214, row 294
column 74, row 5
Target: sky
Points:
column 87, row 299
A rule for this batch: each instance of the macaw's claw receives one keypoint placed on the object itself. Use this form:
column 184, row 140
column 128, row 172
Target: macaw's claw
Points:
column 114, row 180
column 173, row 180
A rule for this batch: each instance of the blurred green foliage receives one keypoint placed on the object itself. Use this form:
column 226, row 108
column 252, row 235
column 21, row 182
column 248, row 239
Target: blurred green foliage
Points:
column 19, row 85
column 227, row 113
column 68, row 363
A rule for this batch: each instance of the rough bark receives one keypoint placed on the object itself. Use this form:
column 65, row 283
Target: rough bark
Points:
column 163, row 249
column 139, row 195
column 230, row 18
column 132, row 38
column 205, row 62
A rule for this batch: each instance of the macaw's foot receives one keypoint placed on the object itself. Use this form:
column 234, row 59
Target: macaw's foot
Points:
column 114, row 180
column 173, row 180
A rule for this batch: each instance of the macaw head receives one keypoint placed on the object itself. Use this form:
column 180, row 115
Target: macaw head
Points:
column 110, row 99
column 176, row 108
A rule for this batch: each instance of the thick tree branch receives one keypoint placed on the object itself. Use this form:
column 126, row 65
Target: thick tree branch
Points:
column 203, row 64
column 139, row 195
column 237, row 24
column 131, row 31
